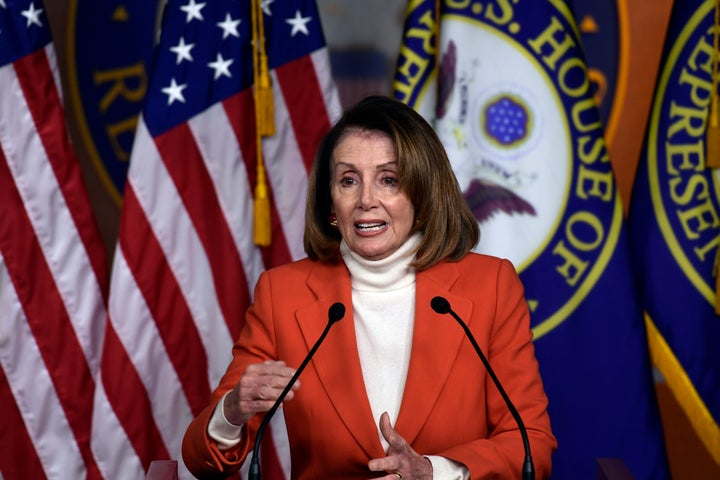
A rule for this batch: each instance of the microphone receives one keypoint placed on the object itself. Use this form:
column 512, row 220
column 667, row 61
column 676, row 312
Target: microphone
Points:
column 442, row 306
column 335, row 313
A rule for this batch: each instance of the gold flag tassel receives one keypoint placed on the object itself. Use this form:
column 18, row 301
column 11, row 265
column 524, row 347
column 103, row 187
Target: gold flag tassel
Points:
column 264, row 125
column 263, row 88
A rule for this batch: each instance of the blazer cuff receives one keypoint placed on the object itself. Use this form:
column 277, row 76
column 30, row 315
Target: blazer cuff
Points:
column 446, row 469
column 225, row 434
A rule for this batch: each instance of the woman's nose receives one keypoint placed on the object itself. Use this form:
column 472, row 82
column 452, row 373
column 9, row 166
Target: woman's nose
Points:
column 367, row 196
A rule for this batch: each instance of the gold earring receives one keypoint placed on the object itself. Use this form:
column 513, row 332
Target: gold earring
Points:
column 333, row 220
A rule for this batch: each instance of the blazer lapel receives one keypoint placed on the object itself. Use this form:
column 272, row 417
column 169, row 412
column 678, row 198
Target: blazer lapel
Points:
column 435, row 345
column 337, row 361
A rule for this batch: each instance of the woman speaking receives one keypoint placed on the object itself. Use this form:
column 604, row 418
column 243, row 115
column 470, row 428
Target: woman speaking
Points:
column 396, row 390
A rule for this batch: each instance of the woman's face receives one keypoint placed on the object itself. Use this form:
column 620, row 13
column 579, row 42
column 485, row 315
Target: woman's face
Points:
column 374, row 217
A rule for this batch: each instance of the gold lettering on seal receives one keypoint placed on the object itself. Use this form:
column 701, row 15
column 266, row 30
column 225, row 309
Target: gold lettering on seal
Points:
column 688, row 186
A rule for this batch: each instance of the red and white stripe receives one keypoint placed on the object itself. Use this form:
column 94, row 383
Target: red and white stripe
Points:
column 186, row 265
column 53, row 282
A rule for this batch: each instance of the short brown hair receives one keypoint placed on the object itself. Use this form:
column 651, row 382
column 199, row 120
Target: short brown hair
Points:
column 448, row 227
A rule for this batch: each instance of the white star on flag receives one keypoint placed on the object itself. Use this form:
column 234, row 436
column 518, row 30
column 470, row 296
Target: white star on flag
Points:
column 182, row 50
column 229, row 26
column 32, row 15
column 265, row 5
column 220, row 65
column 174, row 92
column 193, row 11
column 299, row 24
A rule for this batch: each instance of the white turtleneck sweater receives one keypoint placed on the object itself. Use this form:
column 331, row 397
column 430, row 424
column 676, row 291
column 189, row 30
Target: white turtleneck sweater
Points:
column 383, row 298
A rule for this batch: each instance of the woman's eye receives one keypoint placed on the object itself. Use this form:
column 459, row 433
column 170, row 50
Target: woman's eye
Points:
column 347, row 181
column 389, row 181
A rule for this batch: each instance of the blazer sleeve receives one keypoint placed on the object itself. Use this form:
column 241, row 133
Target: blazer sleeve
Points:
column 511, row 355
column 200, row 453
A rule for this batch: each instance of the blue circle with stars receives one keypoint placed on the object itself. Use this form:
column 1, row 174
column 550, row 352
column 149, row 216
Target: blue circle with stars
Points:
column 506, row 121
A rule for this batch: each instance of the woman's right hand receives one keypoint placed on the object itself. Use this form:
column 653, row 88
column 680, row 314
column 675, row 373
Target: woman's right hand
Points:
column 258, row 389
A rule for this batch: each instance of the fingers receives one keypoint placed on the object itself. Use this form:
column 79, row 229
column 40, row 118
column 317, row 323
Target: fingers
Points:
column 258, row 389
column 401, row 462
column 395, row 459
column 265, row 381
column 388, row 432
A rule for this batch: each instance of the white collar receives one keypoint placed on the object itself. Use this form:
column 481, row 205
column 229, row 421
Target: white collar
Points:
column 389, row 273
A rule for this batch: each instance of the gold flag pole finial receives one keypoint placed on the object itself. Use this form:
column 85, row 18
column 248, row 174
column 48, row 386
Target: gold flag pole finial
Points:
column 264, row 125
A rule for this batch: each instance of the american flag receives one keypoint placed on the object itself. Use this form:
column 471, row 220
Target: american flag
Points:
column 53, row 274
column 186, row 263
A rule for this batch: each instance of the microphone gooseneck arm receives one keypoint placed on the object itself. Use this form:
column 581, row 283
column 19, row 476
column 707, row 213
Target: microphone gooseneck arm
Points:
column 335, row 313
column 442, row 306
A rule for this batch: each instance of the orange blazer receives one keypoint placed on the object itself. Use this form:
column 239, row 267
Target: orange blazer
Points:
column 450, row 406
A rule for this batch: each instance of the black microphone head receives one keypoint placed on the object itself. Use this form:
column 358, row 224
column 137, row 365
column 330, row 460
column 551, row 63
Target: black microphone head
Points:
column 440, row 305
column 336, row 312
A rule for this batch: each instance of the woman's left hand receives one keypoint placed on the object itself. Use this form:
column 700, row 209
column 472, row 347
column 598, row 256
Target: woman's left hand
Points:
column 402, row 462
